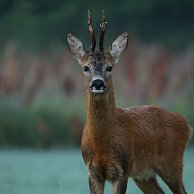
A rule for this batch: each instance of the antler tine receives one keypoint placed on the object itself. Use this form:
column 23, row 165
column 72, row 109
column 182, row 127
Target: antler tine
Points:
column 103, row 28
column 91, row 31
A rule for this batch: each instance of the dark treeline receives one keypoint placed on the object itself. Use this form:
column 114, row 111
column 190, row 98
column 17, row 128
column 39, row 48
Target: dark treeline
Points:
column 38, row 24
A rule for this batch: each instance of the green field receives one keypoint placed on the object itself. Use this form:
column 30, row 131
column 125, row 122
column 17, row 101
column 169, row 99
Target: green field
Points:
column 60, row 172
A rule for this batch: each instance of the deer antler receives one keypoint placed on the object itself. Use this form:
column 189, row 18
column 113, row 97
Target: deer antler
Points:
column 91, row 31
column 103, row 28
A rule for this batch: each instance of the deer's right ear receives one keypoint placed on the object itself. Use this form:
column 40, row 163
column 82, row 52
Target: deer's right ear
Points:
column 75, row 46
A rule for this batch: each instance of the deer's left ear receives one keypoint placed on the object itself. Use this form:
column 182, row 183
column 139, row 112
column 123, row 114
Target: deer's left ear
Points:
column 118, row 46
column 76, row 47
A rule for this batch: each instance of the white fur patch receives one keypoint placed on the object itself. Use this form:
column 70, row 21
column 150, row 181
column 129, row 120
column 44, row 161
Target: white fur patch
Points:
column 101, row 90
column 145, row 175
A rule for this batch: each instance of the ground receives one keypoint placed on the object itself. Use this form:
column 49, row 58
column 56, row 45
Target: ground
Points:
column 60, row 172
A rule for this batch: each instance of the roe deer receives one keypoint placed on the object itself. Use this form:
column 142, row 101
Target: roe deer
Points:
column 137, row 142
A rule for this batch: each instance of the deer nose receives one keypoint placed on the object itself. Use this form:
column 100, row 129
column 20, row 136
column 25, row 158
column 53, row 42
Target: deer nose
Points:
column 98, row 84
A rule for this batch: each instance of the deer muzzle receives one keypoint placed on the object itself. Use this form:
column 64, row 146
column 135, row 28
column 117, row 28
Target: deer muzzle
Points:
column 98, row 85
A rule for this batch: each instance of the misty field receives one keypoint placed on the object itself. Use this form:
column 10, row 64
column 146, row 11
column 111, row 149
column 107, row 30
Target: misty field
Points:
column 60, row 172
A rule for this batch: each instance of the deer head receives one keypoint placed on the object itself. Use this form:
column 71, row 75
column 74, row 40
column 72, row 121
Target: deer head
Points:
column 97, row 64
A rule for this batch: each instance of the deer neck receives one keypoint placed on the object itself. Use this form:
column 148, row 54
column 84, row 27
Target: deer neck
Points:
column 101, row 114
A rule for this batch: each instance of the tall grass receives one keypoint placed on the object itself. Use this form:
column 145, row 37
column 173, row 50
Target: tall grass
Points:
column 42, row 97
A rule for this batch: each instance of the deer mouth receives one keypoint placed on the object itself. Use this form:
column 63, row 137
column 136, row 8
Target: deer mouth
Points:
column 98, row 90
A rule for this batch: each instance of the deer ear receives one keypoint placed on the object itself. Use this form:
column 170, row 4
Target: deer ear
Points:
column 75, row 46
column 118, row 46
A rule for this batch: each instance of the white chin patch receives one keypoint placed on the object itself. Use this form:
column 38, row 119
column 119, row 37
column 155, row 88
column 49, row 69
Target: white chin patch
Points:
column 101, row 90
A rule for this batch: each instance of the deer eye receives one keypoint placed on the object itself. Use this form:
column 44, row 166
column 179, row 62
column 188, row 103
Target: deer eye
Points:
column 109, row 68
column 86, row 69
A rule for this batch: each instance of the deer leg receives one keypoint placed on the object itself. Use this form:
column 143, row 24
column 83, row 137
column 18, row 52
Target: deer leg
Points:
column 173, row 179
column 96, row 186
column 120, row 186
column 176, row 186
column 150, row 186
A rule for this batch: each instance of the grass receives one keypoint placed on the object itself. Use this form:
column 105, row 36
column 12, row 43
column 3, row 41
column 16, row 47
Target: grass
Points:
column 60, row 172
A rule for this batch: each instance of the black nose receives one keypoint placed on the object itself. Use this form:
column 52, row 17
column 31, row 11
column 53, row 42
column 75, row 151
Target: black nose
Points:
column 98, row 84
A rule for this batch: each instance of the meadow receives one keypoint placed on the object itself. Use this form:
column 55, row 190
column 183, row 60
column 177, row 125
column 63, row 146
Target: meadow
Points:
column 42, row 98
column 61, row 172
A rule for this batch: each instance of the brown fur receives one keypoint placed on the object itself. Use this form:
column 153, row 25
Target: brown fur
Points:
column 139, row 142
column 118, row 143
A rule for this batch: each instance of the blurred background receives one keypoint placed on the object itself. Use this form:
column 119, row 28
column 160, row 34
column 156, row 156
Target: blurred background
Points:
column 42, row 94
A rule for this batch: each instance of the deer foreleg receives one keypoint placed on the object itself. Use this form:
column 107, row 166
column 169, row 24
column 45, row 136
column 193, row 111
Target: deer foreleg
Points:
column 120, row 186
column 96, row 186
